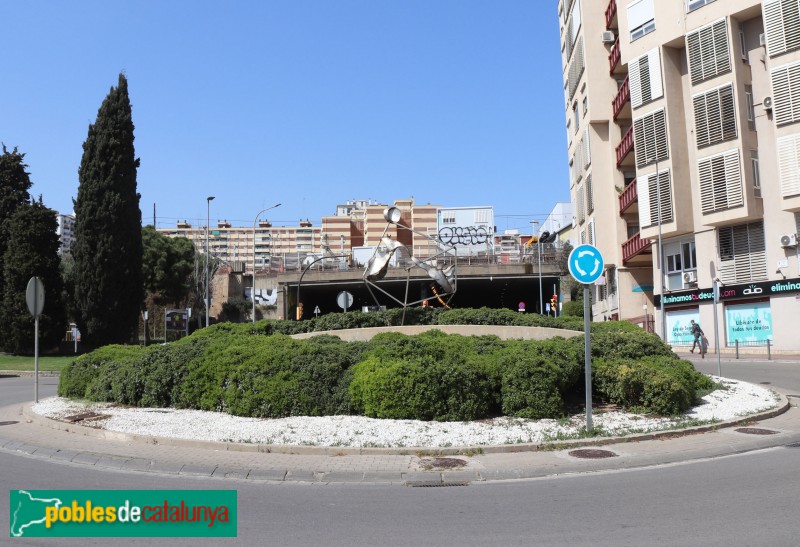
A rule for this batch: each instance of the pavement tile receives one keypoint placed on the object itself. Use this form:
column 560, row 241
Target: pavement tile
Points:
column 13, row 445
column 44, row 452
column 230, row 473
column 65, row 455
column 300, row 475
column 137, row 464
column 344, row 476
column 202, row 470
column 267, row 474
column 88, row 458
column 164, row 467
column 28, row 448
column 110, row 462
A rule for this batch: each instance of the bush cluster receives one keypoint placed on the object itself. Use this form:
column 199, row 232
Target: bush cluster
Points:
column 258, row 370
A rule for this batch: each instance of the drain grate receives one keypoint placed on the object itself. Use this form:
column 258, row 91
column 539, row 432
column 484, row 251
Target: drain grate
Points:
column 765, row 383
column 442, row 463
column 8, row 423
column 755, row 431
column 79, row 417
column 591, row 453
column 437, row 484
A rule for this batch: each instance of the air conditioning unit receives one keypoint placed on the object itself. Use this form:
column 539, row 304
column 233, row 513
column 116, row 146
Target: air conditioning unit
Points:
column 762, row 39
column 767, row 103
column 789, row 240
column 690, row 277
column 608, row 37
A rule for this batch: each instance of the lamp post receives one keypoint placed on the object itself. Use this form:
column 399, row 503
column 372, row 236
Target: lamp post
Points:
column 535, row 223
column 253, row 291
column 660, row 255
column 209, row 199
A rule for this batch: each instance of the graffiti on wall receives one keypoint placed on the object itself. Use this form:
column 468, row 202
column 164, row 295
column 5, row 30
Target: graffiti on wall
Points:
column 463, row 235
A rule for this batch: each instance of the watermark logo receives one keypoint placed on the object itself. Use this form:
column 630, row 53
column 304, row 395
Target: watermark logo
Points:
column 122, row 513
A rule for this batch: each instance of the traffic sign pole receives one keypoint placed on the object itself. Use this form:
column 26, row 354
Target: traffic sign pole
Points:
column 34, row 298
column 587, row 355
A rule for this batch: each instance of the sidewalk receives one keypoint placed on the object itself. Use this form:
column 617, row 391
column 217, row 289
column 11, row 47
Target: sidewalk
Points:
column 38, row 437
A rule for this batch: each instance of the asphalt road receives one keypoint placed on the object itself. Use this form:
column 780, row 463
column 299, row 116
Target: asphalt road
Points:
column 741, row 500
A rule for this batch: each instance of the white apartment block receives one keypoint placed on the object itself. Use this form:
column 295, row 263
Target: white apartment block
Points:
column 683, row 124
column 65, row 231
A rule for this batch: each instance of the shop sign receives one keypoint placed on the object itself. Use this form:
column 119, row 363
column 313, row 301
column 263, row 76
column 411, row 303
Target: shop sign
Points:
column 728, row 292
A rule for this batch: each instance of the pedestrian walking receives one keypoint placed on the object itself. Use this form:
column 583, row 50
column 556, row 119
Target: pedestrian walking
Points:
column 698, row 333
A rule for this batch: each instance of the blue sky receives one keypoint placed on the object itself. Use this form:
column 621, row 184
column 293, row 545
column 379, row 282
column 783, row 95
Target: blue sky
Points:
column 304, row 102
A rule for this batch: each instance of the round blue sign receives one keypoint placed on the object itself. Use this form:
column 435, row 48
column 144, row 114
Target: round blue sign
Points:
column 585, row 264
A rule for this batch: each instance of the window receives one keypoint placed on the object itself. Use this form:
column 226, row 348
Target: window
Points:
column 742, row 44
column 708, row 52
column 573, row 26
column 571, row 173
column 782, row 23
column 587, row 152
column 641, row 18
column 576, row 69
column 577, row 116
column 589, row 195
column 786, row 93
column 720, row 182
column 789, row 165
column 692, row 5
column 590, row 232
column 651, row 187
column 645, row 78
column 680, row 258
column 751, row 111
column 650, row 138
column 714, row 116
column 689, row 255
column 569, row 133
column 632, row 230
column 585, row 105
column 742, row 253
column 583, row 237
column 448, row 220
column 756, row 173
column 580, row 196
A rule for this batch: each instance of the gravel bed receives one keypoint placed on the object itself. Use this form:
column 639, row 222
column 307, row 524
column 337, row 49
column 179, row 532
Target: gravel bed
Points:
column 736, row 399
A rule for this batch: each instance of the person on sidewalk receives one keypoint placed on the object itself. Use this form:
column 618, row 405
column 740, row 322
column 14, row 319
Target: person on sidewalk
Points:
column 697, row 332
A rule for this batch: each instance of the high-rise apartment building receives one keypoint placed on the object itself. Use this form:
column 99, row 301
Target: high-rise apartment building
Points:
column 683, row 124
column 66, row 231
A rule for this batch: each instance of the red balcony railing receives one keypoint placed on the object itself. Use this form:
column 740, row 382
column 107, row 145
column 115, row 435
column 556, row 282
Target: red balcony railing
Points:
column 628, row 196
column 623, row 96
column 625, row 146
column 634, row 246
column 611, row 11
column 614, row 56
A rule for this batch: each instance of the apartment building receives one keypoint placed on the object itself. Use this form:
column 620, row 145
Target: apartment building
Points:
column 66, row 232
column 683, row 123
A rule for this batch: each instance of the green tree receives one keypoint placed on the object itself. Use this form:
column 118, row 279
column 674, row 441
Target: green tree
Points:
column 167, row 267
column 15, row 182
column 32, row 251
column 109, row 289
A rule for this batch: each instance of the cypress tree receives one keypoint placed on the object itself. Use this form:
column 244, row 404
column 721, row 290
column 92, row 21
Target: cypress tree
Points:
column 108, row 239
column 15, row 182
column 32, row 251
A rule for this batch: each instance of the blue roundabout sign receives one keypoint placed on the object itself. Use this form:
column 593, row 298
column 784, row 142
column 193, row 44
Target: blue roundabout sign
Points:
column 586, row 264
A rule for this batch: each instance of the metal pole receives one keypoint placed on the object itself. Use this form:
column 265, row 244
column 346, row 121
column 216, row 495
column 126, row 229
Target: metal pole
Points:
column 539, row 265
column 587, row 345
column 253, row 293
column 661, row 258
column 208, row 221
column 715, row 289
column 36, row 358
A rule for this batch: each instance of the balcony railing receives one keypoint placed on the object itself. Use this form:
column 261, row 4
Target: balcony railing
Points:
column 614, row 57
column 634, row 246
column 611, row 11
column 628, row 196
column 625, row 146
column 623, row 96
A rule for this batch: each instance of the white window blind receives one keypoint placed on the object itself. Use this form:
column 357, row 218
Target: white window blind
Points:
column 576, row 70
column 581, row 197
column 650, row 138
column 742, row 253
column 708, row 51
column 789, row 165
column 782, row 23
column 645, row 78
column 643, row 189
column 720, row 182
column 714, row 116
column 786, row 93
column 587, row 151
column 591, row 232
column 589, row 195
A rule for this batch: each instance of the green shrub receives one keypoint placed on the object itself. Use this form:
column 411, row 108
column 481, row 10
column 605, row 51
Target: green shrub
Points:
column 619, row 341
column 572, row 308
column 79, row 375
column 165, row 368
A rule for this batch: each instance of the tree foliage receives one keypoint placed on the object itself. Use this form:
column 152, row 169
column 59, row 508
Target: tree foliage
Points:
column 15, row 182
column 167, row 267
column 32, row 250
column 108, row 249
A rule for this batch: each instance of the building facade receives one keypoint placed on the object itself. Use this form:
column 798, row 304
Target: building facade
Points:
column 683, row 123
column 65, row 231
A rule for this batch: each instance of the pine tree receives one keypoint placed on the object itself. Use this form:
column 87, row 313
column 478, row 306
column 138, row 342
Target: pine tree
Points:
column 32, row 251
column 108, row 239
column 15, row 182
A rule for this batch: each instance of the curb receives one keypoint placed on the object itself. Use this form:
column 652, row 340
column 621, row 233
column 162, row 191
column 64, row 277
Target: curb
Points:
column 29, row 373
column 783, row 405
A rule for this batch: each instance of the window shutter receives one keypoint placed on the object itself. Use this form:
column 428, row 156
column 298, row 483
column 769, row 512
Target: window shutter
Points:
column 635, row 83
column 709, row 51
column 652, row 196
column 587, row 153
column 654, row 64
column 642, row 188
column 650, row 138
column 589, row 194
column 789, row 165
column 742, row 253
column 644, row 75
column 591, row 232
column 715, row 116
column 786, row 93
column 581, row 204
column 782, row 23
column 720, row 182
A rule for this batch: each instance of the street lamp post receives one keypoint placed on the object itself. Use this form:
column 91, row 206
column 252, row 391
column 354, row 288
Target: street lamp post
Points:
column 539, row 265
column 209, row 199
column 253, row 290
column 661, row 257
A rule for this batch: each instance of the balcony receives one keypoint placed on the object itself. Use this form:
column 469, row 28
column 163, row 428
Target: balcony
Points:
column 636, row 248
column 628, row 197
column 625, row 146
column 614, row 57
column 622, row 98
column 611, row 13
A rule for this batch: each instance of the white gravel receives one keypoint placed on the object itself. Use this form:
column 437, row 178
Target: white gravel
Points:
column 736, row 399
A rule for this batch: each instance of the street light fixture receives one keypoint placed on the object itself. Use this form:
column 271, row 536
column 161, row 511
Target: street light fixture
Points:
column 209, row 199
column 253, row 290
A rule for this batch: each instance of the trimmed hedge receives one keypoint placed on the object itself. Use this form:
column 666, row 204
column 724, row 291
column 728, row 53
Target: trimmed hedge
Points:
column 257, row 370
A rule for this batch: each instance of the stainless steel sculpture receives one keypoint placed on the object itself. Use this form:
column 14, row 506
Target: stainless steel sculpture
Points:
column 443, row 275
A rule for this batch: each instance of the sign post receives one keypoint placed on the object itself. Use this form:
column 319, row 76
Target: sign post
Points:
column 586, row 266
column 344, row 299
column 34, row 297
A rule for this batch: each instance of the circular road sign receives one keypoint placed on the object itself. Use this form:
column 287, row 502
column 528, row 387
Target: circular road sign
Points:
column 585, row 264
column 344, row 299
column 34, row 296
